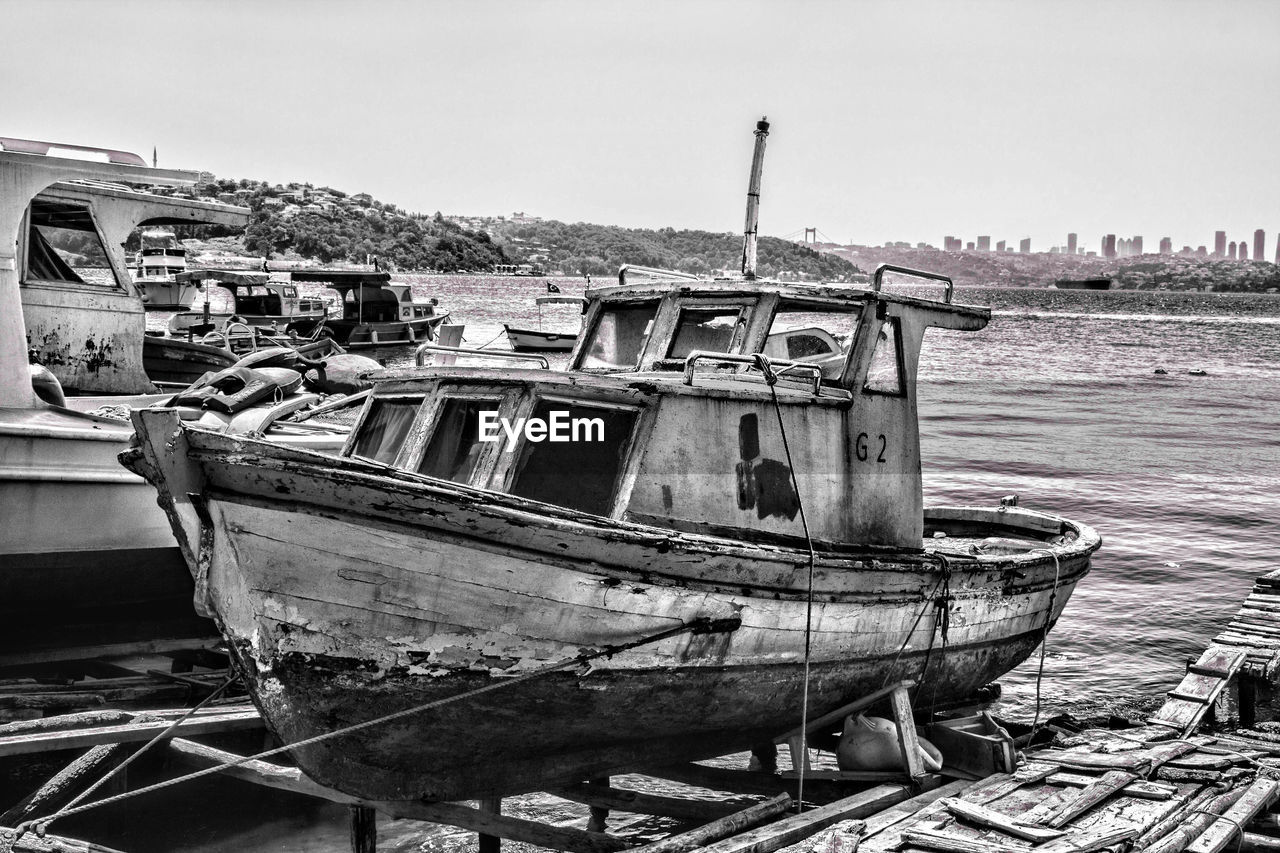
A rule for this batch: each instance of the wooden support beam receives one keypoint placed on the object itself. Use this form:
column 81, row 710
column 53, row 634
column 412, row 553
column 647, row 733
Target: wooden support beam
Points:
column 882, row 820
column 833, row 717
column 364, row 829
column 489, row 843
column 50, row 741
column 798, row 827
column 720, row 828
column 64, row 785
column 200, row 756
column 31, row 843
column 637, row 802
column 908, row 742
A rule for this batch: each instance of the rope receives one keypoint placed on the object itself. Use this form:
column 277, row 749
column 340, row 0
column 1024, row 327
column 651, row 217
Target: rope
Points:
column 1048, row 619
column 119, row 768
column 700, row 625
column 771, row 377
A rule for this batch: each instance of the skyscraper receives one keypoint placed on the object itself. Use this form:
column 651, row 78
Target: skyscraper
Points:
column 1219, row 243
column 1231, row 250
column 1278, row 250
column 1135, row 245
column 1109, row 246
column 1166, row 245
column 984, row 243
column 1000, row 246
column 1024, row 245
column 1259, row 245
column 1071, row 244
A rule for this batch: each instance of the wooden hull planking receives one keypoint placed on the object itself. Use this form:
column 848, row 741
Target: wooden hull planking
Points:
column 349, row 595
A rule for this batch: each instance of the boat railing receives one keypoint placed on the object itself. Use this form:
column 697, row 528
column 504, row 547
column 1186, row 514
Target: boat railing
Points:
column 420, row 354
column 933, row 276
column 652, row 272
column 778, row 367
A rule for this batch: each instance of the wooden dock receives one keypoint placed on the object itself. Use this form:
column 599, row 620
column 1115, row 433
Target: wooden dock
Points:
column 1198, row 776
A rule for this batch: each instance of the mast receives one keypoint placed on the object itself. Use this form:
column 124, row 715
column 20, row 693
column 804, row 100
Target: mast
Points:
column 753, row 202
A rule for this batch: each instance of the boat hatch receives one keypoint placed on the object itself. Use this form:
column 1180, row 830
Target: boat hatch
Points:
column 581, row 472
column 63, row 242
column 619, row 335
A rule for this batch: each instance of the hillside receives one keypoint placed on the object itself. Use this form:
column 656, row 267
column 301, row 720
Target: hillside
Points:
column 586, row 249
column 304, row 223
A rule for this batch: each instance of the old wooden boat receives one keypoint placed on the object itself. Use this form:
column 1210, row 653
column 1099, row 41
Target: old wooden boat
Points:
column 376, row 312
column 687, row 479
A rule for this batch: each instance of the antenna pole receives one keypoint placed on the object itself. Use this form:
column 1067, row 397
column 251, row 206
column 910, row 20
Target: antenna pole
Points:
column 753, row 202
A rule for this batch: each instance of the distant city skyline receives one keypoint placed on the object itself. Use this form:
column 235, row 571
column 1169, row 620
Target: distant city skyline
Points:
column 891, row 120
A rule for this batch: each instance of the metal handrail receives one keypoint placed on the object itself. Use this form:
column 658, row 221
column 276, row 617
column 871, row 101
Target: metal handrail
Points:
column 420, row 353
column 652, row 272
column 884, row 268
column 779, row 366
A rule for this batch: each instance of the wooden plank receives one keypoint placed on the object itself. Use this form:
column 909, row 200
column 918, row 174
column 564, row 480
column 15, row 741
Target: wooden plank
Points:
column 1049, row 806
column 1262, row 793
column 1111, row 783
column 984, row 816
column 1193, row 822
column 908, row 741
column 29, row 842
column 27, row 744
column 949, row 842
column 1090, row 841
column 1191, row 799
column 291, row 779
column 995, row 787
column 798, row 827
column 1129, row 761
column 1201, row 761
column 637, row 802
column 1138, row 789
column 831, row 718
column 881, row 821
column 718, row 829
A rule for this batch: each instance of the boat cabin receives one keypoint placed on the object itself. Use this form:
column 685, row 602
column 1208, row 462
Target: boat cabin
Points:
column 82, row 313
column 375, row 310
column 257, row 299
column 160, row 255
column 669, row 413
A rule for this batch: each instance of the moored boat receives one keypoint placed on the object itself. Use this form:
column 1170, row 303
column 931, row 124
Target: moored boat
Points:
column 257, row 299
column 376, row 312
column 159, row 262
column 540, row 340
column 484, row 523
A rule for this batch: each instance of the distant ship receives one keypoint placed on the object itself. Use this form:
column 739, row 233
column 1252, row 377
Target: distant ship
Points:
column 1082, row 284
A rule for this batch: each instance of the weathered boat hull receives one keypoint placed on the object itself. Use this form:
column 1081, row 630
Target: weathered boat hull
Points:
column 86, row 556
column 354, row 335
column 348, row 595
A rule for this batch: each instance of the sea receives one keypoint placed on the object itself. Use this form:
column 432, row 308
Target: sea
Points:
column 1153, row 417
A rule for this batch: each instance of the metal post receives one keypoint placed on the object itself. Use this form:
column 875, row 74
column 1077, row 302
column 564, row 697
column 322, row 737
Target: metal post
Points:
column 753, row 202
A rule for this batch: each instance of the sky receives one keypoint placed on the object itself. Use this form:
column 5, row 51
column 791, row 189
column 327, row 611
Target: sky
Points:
column 890, row 120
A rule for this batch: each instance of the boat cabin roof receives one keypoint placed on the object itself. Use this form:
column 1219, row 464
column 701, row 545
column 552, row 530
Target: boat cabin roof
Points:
column 230, row 279
column 342, row 279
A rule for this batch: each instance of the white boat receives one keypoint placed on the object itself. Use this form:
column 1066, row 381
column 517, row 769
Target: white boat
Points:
column 86, row 556
column 160, row 260
column 376, row 311
column 540, row 340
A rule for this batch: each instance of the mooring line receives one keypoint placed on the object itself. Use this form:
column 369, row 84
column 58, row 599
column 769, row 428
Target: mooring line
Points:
column 771, row 377
column 700, row 625
column 1044, row 637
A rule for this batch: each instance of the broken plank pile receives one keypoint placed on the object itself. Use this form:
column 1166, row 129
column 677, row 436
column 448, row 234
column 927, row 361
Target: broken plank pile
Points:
column 1255, row 629
column 1106, row 790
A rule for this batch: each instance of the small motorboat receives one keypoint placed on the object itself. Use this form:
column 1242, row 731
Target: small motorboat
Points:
column 376, row 312
column 540, row 340
column 160, row 261
column 257, row 299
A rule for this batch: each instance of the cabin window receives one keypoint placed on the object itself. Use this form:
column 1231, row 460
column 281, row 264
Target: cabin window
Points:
column 63, row 245
column 884, row 376
column 384, row 429
column 619, row 336
column 581, row 473
column 290, row 292
column 455, row 447
column 817, row 335
column 710, row 329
